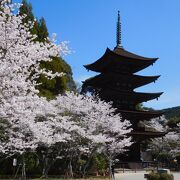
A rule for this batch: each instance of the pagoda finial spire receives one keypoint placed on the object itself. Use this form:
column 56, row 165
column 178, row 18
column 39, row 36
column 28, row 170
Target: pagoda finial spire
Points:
column 118, row 33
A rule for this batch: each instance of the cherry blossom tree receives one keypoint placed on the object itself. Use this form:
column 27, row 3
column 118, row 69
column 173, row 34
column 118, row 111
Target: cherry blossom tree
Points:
column 98, row 123
column 82, row 125
column 19, row 56
column 20, row 105
column 169, row 144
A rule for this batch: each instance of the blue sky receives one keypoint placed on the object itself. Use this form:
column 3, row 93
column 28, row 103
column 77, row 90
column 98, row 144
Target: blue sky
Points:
column 150, row 28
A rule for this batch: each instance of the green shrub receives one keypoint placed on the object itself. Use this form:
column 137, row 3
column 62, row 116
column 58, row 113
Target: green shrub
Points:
column 153, row 176
column 163, row 176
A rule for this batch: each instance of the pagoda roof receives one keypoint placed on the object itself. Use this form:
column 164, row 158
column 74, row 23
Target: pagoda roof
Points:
column 147, row 134
column 136, row 97
column 139, row 115
column 105, row 80
column 122, row 52
column 117, row 57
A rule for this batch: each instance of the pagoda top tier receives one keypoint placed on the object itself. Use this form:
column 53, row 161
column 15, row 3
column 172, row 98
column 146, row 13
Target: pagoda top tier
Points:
column 120, row 60
column 122, row 52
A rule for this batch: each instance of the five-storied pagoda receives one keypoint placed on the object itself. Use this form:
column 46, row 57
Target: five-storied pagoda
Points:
column 116, row 83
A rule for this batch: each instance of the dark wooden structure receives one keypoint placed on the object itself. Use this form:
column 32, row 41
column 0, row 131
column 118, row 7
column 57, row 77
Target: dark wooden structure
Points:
column 117, row 81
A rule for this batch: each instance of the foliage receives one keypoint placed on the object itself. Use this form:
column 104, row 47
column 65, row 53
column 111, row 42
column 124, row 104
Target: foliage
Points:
column 164, row 157
column 166, row 148
column 178, row 158
column 49, row 88
column 140, row 107
column 20, row 55
column 4, row 126
column 160, row 176
column 173, row 116
column 39, row 27
column 42, row 31
column 173, row 122
column 26, row 8
column 32, row 161
column 52, row 87
column 100, row 162
column 172, row 112
column 153, row 176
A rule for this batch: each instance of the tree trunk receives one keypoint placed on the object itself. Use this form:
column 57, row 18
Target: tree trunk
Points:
column 23, row 175
column 47, row 164
column 110, row 168
column 87, row 164
column 71, row 170
column 44, row 172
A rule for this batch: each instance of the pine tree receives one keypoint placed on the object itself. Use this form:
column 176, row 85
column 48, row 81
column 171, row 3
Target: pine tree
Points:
column 26, row 8
column 43, row 31
column 53, row 87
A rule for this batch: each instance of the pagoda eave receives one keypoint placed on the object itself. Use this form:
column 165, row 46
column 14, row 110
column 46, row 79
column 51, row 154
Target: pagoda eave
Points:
column 105, row 80
column 111, row 58
column 139, row 115
column 126, row 54
column 147, row 134
column 136, row 97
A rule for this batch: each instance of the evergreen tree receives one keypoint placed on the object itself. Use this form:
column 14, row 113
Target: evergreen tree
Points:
column 48, row 88
column 26, row 8
column 42, row 31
